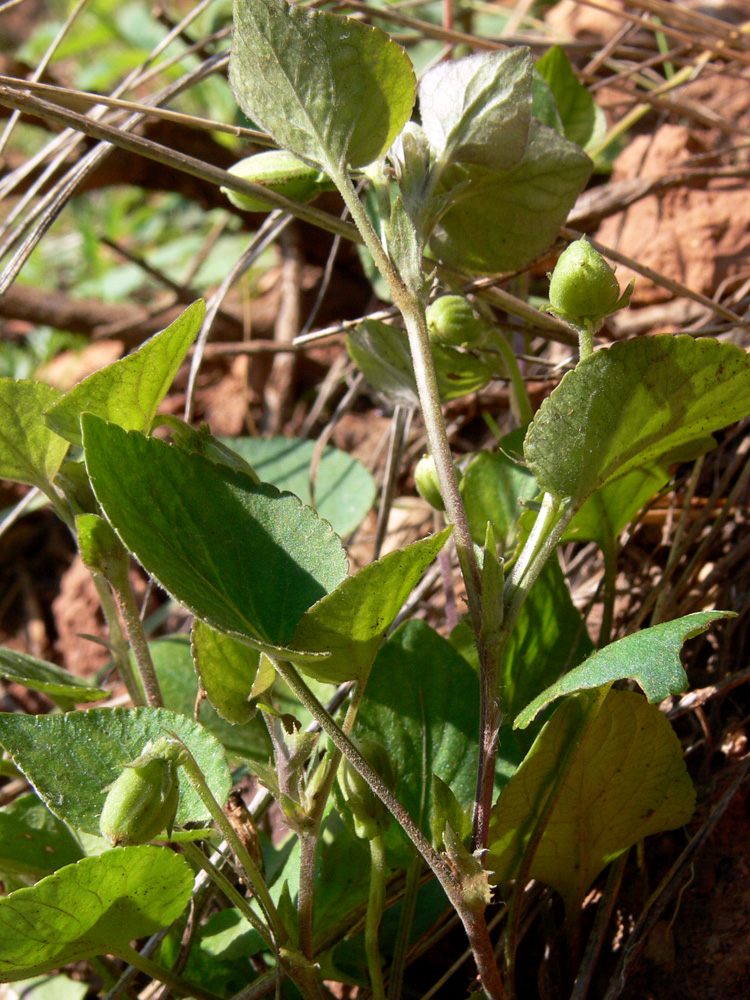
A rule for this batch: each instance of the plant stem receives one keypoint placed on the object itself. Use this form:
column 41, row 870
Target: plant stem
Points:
column 408, row 909
column 308, row 843
column 125, row 598
column 163, row 975
column 524, row 413
column 224, row 885
column 610, row 579
column 374, row 914
column 118, row 642
column 250, row 869
column 342, row 742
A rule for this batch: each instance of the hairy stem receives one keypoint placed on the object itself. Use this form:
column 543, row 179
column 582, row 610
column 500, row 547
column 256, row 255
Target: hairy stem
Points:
column 118, row 642
column 408, row 909
column 138, row 643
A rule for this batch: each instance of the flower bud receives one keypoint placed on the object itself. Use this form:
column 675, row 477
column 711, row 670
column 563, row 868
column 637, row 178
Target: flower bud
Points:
column 451, row 320
column 142, row 802
column 370, row 815
column 583, row 286
column 279, row 171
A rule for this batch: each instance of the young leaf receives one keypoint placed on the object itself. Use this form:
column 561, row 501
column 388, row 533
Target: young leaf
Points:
column 232, row 674
column 626, row 405
column 129, row 391
column 38, row 675
column 33, row 841
column 351, row 621
column 94, row 907
column 478, row 109
column 344, row 487
column 501, row 220
column 29, row 452
column 244, row 557
column 583, row 120
column 650, row 657
column 71, row 760
column 331, row 89
column 431, row 726
column 624, row 779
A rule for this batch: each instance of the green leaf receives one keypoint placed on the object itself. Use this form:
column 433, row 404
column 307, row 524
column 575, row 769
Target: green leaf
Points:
column 331, row 89
column 618, row 776
column 351, row 621
column 244, row 557
column 544, row 105
column 493, row 486
column 381, row 353
column 29, row 452
column 71, row 760
column 626, row 405
column 178, row 681
column 129, row 391
column 458, row 372
column 608, row 511
column 650, row 657
column 422, row 704
column 478, row 109
column 344, row 488
column 584, row 121
column 502, row 220
column 38, row 675
column 232, row 674
column 94, row 907
column 33, row 841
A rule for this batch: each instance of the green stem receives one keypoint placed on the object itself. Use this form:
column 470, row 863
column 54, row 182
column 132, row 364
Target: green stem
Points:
column 230, row 891
column 163, row 975
column 585, row 341
column 342, row 742
column 308, row 842
column 118, row 641
column 126, row 603
column 250, row 869
column 406, row 921
column 524, row 414
column 374, row 914
column 609, row 552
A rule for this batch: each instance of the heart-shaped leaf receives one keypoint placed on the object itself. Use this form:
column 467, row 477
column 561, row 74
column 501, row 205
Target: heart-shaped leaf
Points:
column 71, row 760
column 626, row 405
column 33, row 841
column 242, row 556
column 231, row 673
column 330, row 89
column 94, row 907
column 618, row 776
column 129, row 391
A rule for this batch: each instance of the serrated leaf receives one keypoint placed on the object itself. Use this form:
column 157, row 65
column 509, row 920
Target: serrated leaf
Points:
column 620, row 777
column 231, row 673
column 478, row 109
column 626, row 405
column 583, row 120
column 129, row 391
column 344, row 488
column 330, row 89
column 39, row 675
column 650, row 657
column 351, row 621
column 242, row 556
column 94, row 907
column 71, row 760
column 33, row 841
column 29, row 452
column 430, row 727
column 502, row 220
